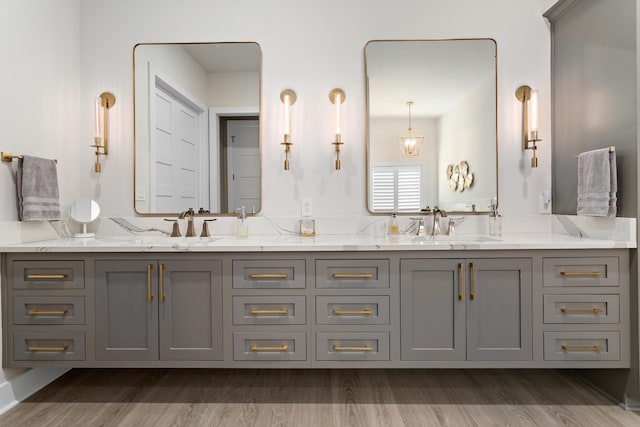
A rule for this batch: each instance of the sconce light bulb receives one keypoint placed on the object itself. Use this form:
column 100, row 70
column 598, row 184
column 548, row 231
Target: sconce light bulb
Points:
column 97, row 111
column 533, row 115
column 287, row 115
column 338, row 102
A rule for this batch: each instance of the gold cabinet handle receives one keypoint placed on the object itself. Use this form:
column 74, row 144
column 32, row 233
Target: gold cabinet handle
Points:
column 161, row 280
column 472, row 265
column 352, row 276
column 38, row 348
column 46, row 276
column 149, row 294
column 283, row 347
column 578, row 348
column 460, row 282
column 337, row 347
column 581, row 273
column 366, row 311
column 268, row 276
column 47, row 313
column 594, row 310
column 256, row 312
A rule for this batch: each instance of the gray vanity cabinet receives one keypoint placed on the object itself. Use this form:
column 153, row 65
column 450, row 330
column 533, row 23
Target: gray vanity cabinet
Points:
column 462, row 309
column 158, row 310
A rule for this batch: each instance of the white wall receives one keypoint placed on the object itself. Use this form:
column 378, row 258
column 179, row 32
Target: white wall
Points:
column 302, row 52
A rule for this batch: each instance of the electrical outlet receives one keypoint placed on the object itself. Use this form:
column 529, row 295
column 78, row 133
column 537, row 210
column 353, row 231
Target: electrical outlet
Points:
column 306, row 207
column 141, row 194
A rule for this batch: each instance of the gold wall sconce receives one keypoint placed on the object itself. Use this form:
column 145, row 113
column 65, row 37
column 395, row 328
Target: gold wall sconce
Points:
column 103, row 103
column 529, row 99
column 410, row 143
column 288, row 98
column 337, row 96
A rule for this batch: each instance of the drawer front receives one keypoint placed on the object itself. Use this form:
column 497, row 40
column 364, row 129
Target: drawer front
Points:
column 581, row 346
column 48, row 275
column 361, row 346
column 48, row 345
column 352, row 310
column 269, row 274
column 269, row 346
column 45, row 310
column 269, row 310
column 352, row 274
column 593, row 309
column 597, row 271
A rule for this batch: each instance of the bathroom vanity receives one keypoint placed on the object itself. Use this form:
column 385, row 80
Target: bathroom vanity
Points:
column 324, row 302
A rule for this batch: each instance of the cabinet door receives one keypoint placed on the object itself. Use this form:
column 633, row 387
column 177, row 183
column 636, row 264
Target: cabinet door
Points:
column 190, row 301
column 432, row 311
column 499, row 324
column 126, row 310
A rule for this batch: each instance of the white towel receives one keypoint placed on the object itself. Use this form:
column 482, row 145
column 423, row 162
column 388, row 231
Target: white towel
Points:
column 37, row 188
column 597, row 183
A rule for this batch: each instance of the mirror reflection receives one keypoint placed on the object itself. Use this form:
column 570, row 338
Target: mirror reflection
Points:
column 197, row 133
column 443, row 91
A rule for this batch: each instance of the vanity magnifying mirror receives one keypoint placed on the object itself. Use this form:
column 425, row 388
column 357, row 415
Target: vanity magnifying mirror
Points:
column 450, row 87
column 197, row 133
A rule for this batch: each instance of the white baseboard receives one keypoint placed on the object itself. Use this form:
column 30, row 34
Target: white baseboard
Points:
column 19, row 388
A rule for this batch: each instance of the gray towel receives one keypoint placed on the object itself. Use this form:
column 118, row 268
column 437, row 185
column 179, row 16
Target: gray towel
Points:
column 37, row 188
column 597, row 183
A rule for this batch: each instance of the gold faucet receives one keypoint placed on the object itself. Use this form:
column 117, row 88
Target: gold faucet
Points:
column 436, row 221
column 189, row 213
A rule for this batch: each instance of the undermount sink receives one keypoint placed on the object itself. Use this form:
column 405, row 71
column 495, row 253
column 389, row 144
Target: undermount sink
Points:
column 462, row 238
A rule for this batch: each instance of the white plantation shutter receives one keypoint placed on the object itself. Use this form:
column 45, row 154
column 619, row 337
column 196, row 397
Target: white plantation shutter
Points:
column 396, row 188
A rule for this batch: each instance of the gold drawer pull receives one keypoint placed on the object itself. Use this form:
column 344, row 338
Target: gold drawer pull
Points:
column 283, row 347
column 257, row 312
column 46, row 276
column 460, row 282
column 349, row 348
column 47, row 313
column 594, row 310
column 352, row 276
column 366, row 311
column 268, row 276
column 38, row 348
column 592, row 348
column 473, row 294
column 581, row 273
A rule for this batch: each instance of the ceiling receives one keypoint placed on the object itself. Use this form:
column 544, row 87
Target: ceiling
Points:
column 225, row 57
column 434, row 74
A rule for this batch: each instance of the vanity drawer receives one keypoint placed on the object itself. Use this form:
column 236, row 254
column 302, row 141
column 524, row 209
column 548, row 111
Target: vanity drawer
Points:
column 269, row 346
column 269, row 310
column 48, row 345
column 269, row 274
column 581, row 346
column 592, row 309
column 361, row 346
column 48, row 274
column 45, row 310
column 355, row 273
column 352, row 310
column 596, row 271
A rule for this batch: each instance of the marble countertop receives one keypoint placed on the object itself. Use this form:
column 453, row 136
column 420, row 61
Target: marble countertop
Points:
column 284, row 243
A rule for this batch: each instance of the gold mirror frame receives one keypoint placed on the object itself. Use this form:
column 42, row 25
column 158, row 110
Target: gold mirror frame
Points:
column 241, row 113
column 440, row 174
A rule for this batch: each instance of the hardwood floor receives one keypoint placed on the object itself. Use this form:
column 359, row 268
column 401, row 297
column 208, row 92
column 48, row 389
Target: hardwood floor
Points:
column 308, row 398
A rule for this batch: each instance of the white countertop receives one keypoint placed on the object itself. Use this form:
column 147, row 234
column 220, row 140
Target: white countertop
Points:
column 285, row 243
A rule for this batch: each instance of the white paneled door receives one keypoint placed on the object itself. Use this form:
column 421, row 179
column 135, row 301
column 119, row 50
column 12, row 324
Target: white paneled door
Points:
column 174, row 151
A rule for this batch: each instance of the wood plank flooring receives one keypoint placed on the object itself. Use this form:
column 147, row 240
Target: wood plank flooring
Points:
column 309, row 398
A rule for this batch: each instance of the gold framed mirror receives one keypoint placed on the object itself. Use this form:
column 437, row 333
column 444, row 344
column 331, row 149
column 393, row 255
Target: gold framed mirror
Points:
column 431, row 104
column 197, row 127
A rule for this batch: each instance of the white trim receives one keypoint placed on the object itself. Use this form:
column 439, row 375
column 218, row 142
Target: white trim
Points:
column 214, row 146
column 19, row 388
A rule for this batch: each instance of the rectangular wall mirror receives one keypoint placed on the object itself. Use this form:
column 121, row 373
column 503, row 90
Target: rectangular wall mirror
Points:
column 443, row 91
column 197, row 127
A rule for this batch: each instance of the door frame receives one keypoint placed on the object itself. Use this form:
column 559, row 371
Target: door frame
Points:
column 215, row 148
